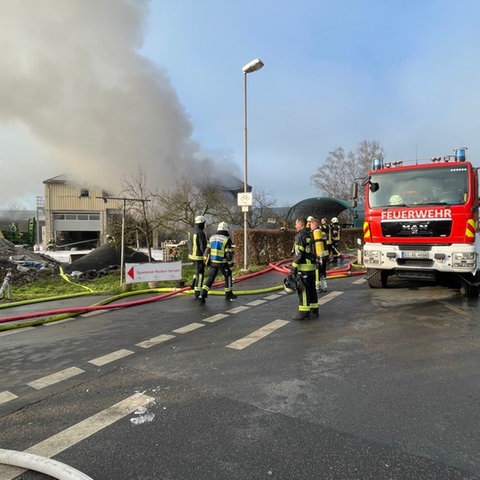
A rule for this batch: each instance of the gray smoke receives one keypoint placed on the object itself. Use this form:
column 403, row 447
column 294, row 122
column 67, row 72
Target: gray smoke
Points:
column 72, row 78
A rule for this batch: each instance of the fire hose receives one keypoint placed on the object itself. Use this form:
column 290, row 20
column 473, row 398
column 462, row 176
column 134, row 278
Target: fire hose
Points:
column 67, row 312
column 40, row 464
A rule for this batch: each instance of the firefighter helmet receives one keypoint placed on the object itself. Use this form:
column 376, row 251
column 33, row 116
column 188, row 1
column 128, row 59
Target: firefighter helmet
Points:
column 222, row 226
column 334, row 220
column 199, row 219
column 290, row 284
column 309, row 218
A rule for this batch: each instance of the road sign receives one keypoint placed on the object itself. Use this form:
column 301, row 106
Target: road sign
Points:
column 152, row 272
column 245, row 199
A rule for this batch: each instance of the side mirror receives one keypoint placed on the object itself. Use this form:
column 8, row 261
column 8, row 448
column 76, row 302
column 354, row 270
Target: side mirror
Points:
column 354, row 191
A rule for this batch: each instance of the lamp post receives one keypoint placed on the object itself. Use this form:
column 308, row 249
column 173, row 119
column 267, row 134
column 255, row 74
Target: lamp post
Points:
column 250, row 67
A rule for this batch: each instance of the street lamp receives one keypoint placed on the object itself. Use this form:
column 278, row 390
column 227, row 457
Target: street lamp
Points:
column 250, row 67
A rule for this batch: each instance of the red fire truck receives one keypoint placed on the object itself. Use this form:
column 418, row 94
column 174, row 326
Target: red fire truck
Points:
column 421, row 221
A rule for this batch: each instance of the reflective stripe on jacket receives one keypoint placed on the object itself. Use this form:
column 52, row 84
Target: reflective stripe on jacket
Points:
column 303, row 252
column 221, row 250
column 197, row 244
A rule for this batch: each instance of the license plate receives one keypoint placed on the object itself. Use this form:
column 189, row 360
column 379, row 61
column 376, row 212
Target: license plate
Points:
column 414, row 254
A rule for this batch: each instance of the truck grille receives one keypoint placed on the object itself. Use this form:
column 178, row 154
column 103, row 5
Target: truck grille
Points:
column 417, row 228
column 415, row 262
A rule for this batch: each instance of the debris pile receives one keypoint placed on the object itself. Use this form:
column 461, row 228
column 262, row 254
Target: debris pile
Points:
column 26, row 266
column 101, row 261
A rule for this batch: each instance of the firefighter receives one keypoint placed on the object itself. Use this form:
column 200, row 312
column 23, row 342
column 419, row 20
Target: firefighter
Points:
column 51, row 245
column 304, row 266
column 309, row 222
column 321, row 252
column 327, row 234
column 335, row 230
column 197, row 244
column 219, row 255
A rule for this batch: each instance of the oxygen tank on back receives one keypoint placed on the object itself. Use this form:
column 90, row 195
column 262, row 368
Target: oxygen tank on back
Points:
column 318, row 242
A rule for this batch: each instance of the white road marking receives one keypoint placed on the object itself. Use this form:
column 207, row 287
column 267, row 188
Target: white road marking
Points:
column 55, row 378
column 6, row 396
column 189, row 328
column 257, row 335
column 328, row 297
column 272, row 297
column 71, row 436
column 255, row 303
column 92, row 313
column 110, row 357
column 155, row 341
column 238, row 309
column 359, row 281
column 15, row 330
column 58, row 322
column 215, row 318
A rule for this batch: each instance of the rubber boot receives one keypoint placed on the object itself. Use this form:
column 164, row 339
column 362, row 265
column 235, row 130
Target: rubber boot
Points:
column 230, row 296
column 323, row 285
column 301, row 316
column 314, row 312
column 203, row 296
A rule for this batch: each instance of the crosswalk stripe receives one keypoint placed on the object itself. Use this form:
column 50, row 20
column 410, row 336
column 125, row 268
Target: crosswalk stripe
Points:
column 215, row 318
column 16, row 330
column 257, row 335
column 155, row 341
column 328, row 297
column 274, row 296
column 55, row 378
column 71, row 436
column 6, row 396
column 189, row 328
column 110, row 357
column 359, row 281
column 238, row 309
column 255, row 303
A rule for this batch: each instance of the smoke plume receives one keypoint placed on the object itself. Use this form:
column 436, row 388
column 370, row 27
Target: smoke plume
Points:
column 75, row 86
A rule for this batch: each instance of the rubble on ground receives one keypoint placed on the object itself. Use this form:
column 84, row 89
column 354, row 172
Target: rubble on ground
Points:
column 25, row 265
column 101, row 261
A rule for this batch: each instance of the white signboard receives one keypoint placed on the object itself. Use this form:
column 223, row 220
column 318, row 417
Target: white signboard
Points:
column 152, row 272
column 245, row 199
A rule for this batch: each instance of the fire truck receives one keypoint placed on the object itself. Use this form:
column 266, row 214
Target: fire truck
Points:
column 421, row 221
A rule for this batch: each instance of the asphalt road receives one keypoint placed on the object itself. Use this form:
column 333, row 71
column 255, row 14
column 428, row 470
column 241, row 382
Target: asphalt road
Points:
column 384, row 385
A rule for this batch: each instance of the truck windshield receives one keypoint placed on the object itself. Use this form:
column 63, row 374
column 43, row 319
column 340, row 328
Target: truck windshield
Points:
column 419, row 186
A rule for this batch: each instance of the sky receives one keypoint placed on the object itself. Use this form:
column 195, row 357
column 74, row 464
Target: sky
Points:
column 99, row 90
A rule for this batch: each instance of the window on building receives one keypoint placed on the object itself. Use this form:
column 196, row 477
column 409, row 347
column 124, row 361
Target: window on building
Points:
column 84, row 192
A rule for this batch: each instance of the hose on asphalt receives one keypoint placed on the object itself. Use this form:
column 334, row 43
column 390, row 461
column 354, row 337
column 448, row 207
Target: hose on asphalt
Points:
column 45, row 465
column 68, row 312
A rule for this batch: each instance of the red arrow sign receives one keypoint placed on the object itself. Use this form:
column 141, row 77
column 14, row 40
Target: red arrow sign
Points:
column 131, row 273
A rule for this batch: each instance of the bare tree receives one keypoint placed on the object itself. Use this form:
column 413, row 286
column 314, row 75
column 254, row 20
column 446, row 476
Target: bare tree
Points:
column 177, row 207
column 335, row 177
column 228, row 210
column 140, row 210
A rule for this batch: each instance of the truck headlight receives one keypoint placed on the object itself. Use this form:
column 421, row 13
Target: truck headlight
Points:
column 372, row 256
column 464, row 260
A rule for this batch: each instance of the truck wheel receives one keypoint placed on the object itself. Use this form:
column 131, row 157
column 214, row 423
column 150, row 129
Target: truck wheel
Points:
column 377, row 278
column 471, row 291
